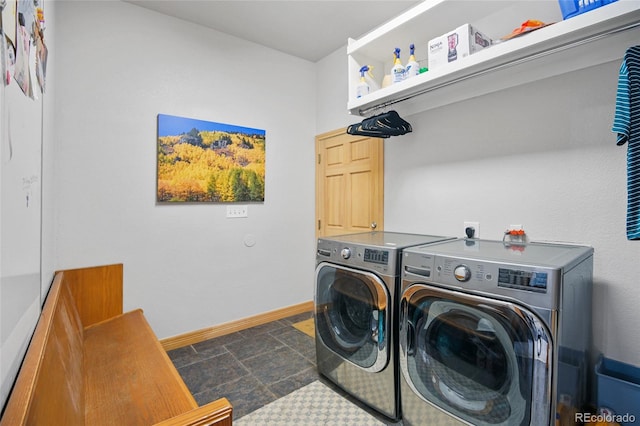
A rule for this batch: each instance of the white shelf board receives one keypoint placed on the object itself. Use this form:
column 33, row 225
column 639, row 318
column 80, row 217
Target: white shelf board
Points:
column 519, row 55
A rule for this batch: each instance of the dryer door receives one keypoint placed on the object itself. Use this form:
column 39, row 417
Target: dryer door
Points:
column 353, row 315
column 487, row 362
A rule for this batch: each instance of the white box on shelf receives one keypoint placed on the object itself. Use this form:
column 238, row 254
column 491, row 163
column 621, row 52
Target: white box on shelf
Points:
column 455, row 45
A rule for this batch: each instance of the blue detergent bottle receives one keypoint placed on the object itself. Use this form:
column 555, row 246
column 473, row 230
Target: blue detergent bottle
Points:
column 412, row 68
column 397, row 71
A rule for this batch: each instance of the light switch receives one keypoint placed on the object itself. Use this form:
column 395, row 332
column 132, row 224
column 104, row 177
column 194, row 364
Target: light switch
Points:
column 237, row 211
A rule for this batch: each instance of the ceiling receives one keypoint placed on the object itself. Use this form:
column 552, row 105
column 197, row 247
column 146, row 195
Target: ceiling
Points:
column 308, row 29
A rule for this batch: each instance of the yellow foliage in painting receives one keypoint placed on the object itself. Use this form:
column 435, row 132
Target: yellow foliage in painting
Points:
column 219, row 166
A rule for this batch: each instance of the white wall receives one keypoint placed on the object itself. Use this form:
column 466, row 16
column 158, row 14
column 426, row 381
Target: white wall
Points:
column 332, row 93
column 26, row 140
column 185, row 265
column 541, row 155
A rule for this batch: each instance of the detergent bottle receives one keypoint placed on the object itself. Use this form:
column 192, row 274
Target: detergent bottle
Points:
column 412, row 67
column 363, row 87
column 397, row 71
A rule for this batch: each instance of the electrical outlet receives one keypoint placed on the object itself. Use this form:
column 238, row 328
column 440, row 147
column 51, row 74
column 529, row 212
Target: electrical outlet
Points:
column 473, row 225
column 515, row 227
column 237, row 211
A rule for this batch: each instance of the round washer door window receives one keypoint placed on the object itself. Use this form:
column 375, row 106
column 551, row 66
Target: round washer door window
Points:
column 473, row 360
column 352, row 315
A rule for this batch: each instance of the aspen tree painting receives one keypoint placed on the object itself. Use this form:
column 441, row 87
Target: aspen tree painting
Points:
column 204, row 161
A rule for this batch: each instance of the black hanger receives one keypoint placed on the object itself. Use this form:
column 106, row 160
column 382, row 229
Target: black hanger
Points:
column 381, row 126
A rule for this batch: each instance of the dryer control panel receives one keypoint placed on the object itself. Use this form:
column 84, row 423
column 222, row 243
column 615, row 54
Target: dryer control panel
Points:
column 537, row 286
column 379, row 260
column 524, row 280
column 376, row 256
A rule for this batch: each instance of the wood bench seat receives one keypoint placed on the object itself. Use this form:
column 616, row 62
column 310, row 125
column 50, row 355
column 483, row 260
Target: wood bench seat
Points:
column 90, row 364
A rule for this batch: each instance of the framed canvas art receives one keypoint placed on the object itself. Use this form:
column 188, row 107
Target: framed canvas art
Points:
column 204, row 161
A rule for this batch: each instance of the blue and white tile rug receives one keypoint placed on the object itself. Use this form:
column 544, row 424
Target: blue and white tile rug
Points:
column 314, row 404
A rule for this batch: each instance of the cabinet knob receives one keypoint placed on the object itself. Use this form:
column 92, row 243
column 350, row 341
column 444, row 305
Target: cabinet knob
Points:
column 374, row 225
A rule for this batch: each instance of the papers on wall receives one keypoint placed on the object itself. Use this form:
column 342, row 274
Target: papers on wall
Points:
column 24, row 52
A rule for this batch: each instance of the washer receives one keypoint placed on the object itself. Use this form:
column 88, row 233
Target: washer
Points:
column 357, row 280
column 493, row 333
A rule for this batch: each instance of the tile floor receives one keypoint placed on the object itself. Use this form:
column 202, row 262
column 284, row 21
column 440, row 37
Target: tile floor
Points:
column 252, row 367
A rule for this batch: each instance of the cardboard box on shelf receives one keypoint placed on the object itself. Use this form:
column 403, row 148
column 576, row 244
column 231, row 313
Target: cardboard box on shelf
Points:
column 455, row 45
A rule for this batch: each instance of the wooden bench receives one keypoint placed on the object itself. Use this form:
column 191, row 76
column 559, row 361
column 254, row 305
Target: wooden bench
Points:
column 90, row 364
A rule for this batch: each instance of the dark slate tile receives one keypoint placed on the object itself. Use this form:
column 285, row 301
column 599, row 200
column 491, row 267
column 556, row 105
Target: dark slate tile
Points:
column 276, row 360
column 276, row 365
column 295, row 382
column 182, row 356
column 212, row 372
column 252, row 332
column 259, row 344
column 298, row 341
column 202, row 353
column 246, row 394
column 216, row 346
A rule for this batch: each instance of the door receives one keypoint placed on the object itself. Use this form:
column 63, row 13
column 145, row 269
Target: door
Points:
column 349, row 184
column 353, row 315
column 485, row 361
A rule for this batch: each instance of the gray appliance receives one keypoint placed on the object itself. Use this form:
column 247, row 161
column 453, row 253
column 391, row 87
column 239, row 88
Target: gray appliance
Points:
column 493, row 333
column 356, row 283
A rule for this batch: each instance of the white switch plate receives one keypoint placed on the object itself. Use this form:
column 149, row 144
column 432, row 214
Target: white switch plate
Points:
column 237, row 211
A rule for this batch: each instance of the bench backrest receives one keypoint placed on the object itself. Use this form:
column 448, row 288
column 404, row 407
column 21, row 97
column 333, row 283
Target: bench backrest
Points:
column 97, row 292
column 58, row 395
column 49, row 388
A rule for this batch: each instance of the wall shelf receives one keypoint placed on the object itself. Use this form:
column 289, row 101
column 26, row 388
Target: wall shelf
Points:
column 592, row 38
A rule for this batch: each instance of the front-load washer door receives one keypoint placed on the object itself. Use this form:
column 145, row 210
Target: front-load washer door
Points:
column 484, row 361
column 353, row 315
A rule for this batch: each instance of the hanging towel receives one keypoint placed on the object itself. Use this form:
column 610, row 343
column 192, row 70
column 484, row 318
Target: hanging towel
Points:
column 626, row 124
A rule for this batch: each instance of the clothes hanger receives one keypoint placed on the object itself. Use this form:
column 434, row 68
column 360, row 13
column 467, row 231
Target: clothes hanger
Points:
column 382, row 125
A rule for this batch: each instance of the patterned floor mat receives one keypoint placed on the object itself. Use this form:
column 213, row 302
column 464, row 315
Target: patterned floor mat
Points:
column 314, row 404
column 306, row 327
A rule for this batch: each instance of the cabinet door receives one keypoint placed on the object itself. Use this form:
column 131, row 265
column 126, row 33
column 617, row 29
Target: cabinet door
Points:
column 349, row 184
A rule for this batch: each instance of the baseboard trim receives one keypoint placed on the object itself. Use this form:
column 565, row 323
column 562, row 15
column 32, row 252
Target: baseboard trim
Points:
column 197, row 336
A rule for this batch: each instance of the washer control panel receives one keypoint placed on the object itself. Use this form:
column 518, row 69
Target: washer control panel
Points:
column 536, row 285
column 376, row 259
column 468, row 271
column 524, row 280
column 509, row 278
column 376, row 256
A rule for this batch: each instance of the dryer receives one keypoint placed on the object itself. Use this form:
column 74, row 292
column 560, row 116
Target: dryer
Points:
column 494, row 333
column 356, row 283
